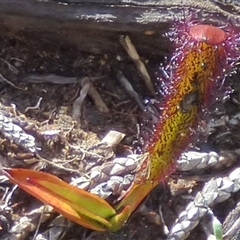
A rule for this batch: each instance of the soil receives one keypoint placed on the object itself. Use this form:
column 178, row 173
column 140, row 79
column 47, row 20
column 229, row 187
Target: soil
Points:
column 19, row 58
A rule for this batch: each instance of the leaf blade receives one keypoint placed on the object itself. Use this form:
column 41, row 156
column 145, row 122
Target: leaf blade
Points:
column 76, row 204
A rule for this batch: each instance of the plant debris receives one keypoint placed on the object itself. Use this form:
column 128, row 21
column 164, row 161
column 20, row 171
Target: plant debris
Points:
column 56, row 109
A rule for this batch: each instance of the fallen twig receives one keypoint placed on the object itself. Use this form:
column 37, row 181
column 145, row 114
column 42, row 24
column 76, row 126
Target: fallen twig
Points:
column 132, row 52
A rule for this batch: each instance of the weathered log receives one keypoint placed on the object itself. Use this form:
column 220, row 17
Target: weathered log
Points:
column 95, row 25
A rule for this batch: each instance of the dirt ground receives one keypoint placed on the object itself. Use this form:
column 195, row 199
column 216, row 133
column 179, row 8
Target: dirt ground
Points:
column 19, row 59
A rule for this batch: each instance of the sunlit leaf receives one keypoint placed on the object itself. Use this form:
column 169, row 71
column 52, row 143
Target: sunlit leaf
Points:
column 77, row 205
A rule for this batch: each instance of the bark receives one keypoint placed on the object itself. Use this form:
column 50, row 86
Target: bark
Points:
column 95, row 25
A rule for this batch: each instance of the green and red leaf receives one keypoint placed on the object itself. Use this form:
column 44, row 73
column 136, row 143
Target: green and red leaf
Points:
column 76, row 204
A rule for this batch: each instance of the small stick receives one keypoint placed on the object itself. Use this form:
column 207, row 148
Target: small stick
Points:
column 132, row 52
column 47, row 78
column 3, row 79
column 131, row 92
column 10, row 66
column 34, row 107
column 113, row 138
column 58, row 166
column 77, row 105
column 93, row 93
